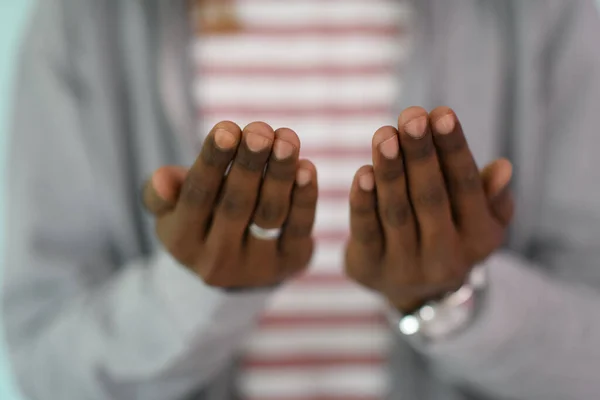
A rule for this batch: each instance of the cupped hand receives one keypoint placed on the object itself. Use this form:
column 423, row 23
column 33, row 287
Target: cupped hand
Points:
column 240, row 177
column 423, row 215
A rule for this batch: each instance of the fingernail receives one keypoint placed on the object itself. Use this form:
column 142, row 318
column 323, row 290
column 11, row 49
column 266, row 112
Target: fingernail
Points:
column 389, row 148
column 445, row 125
column 366, row 182
column 224, row 139
column 415, row 128
column 257, row 142
column 303, row 177
column 157, row 186
column 283, row 149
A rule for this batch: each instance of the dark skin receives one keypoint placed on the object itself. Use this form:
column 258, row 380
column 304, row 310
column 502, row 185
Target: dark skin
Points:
column 202, row 213
column 421, row 217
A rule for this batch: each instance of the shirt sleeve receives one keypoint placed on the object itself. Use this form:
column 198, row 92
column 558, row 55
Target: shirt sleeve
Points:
column 537, row 333
column 79, row 324
column 535, row 337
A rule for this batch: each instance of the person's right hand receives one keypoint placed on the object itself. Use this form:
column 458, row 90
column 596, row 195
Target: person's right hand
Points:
column 203, row 213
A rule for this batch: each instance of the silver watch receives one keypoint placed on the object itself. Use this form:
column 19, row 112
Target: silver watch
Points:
column 440, row 319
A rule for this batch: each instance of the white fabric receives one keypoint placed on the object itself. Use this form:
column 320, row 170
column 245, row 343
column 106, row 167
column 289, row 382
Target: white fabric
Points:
column 328, row 70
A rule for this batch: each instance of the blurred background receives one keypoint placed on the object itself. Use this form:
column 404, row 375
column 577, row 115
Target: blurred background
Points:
column 12, row 18
column 13, row 14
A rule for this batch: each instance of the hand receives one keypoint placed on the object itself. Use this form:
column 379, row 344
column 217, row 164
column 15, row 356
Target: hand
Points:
column 422, row 216
column 202, row 214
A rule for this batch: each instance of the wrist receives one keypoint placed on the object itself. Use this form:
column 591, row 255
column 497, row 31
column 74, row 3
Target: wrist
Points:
column 411, row 305
column 194, row 306
column 436, row 320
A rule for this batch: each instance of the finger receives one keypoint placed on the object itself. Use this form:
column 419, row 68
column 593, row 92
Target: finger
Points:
column 204, row 179
column 429, row 199
column 160, row 192
column 393, row 204
column 366, row 244
column 426, row 185
column 240, row 191
column 274, row 200
column 465, row 188
column 296, row 242
column 496, row 181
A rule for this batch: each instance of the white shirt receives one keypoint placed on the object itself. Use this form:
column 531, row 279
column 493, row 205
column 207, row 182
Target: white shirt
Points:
column 328, row 70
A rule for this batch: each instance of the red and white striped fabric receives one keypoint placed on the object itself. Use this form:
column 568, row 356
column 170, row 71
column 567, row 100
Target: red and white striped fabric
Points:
column 327, row 69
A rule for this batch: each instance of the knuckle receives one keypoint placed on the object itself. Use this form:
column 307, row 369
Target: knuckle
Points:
column 390, row 174
column 271, row 211
column 466, row 181
column 397, row 213
column 424, row 150
column 253, row 162
column 236, row 204
column 431, row 196
column 196, row 190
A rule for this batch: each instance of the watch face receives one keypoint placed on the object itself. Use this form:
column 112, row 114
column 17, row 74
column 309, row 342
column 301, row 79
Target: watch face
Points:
column 409, row 325
column 438, row 320
column 451, row 315
column 427, row 313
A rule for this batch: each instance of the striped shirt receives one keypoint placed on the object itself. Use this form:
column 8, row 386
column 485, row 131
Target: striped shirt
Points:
column 328, row 69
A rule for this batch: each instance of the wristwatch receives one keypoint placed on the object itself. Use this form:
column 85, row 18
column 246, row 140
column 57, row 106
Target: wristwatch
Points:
column 440, row 319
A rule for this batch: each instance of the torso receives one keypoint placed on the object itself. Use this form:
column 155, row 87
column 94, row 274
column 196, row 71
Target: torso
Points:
column 328, row 70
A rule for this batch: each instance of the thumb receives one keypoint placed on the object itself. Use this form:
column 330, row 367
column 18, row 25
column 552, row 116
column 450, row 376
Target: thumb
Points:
column 161, row 191
column 496, row 183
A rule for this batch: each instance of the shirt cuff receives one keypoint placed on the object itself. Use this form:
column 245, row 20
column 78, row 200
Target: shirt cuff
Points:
column 194, row 306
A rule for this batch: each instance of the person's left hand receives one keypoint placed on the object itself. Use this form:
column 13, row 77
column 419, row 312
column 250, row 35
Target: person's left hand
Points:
column 422, row 216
